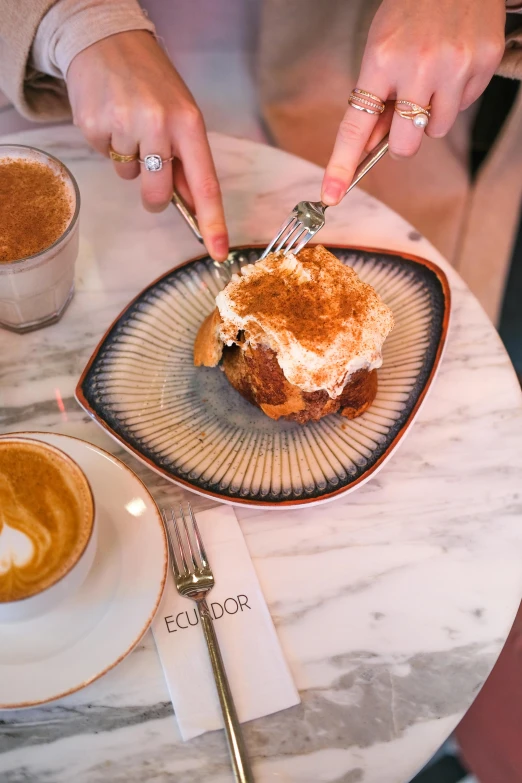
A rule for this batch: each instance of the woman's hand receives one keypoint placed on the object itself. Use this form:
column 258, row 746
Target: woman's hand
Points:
column 442, row 52
column 125, row 92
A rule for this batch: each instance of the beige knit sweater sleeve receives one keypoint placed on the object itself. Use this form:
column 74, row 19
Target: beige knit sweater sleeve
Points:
column 18, row 25
column 39, row 39
column 511, row 65
column 33, row 80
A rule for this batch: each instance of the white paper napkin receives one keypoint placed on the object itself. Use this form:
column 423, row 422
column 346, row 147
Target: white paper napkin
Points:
column 258, row 674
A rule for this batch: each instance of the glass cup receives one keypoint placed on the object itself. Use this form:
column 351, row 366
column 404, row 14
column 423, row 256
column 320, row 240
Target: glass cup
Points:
column 35, row 291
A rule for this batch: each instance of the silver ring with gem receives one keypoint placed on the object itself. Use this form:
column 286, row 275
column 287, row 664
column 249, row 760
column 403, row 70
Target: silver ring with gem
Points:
column 154, row 162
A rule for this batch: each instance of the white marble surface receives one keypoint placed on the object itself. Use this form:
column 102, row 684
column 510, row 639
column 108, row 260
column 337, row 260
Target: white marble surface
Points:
column 391, row 605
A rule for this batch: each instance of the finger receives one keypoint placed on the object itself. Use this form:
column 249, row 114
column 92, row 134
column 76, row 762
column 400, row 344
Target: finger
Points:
column 98, row 138
column 490, row 57
column 181, row 184
column 445, row 106
column 474, row 89
column 382, row 127
column 203, row 184
column 125, row 145
column 352, row 137
column 156, row 186
column 405, row 137
column 97, row 133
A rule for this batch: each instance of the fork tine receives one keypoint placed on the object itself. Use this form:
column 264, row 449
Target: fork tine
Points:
column 303, row 242
column 170, row 537
column 291, row 247
column 187, row 534
column 294, row 225
column 179, row 541
column 199, row 542
column 283, row 228
column 171, row 542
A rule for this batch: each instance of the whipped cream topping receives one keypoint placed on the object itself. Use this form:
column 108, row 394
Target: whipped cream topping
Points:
column 321, row 320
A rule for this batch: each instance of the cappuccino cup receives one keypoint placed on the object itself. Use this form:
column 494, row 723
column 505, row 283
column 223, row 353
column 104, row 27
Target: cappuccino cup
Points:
column 48, row 530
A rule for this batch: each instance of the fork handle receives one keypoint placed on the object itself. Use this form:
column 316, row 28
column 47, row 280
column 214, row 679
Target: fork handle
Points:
column 236, row 746
column 369, row 162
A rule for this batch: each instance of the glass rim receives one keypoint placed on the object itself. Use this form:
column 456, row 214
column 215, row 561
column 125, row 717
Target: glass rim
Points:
column 75, row 214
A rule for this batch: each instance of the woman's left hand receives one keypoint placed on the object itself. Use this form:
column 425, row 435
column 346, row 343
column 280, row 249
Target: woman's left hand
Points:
column 438, row 52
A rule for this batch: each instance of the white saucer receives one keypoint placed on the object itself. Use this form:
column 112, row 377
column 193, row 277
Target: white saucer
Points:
column 89, row 633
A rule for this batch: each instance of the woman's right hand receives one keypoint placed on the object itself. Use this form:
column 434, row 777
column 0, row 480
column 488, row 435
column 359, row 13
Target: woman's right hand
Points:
column 125, row 93
column 441, row 53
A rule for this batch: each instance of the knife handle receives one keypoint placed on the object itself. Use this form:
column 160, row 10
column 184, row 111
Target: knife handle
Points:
column 187, row 215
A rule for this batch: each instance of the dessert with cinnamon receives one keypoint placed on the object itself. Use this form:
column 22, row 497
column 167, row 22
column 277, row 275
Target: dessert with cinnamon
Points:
column 298, row 336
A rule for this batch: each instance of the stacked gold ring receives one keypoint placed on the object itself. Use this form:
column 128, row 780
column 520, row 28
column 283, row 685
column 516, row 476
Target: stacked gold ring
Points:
column 366, row 101
column 419, row 115
column 117, row 157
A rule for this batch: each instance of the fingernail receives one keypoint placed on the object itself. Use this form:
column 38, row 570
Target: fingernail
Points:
column 332, row 192
column 220, row 248
column 155, row 208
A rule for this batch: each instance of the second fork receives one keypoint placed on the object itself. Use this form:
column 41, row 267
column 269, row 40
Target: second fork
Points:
column 194, row 579
column 307, row 217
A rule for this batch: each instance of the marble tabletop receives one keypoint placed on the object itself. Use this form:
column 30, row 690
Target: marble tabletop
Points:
column 398, row 598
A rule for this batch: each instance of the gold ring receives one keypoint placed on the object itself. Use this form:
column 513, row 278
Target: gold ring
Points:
column 419, row 115
column 366, row 101
column 117, row 157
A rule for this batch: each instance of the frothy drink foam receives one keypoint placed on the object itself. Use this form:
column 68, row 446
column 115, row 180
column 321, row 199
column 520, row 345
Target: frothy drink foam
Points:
column 38, row 237
column 46, row 517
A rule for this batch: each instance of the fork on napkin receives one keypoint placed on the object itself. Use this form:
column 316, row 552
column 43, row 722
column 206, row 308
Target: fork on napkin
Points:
column 194, row 579
column 259, row 678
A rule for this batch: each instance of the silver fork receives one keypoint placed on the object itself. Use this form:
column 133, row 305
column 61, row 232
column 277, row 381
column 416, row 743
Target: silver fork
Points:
column 307, row 217
column 194, row 579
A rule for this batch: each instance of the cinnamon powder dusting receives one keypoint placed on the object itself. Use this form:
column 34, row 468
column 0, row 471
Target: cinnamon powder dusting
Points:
column 315, row 309
column 321, row 320
column 35, row 208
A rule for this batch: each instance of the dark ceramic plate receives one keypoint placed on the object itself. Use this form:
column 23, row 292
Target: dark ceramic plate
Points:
column 188, row 424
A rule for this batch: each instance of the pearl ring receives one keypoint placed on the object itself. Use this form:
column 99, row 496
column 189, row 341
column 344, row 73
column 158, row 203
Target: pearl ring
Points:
column 419, row 115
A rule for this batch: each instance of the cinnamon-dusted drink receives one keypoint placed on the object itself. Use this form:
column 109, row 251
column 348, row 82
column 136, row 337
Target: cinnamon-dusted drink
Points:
column 47, row 527
column 39, row 208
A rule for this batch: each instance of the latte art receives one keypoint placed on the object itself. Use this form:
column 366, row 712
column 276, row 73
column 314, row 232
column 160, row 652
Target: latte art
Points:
column 16, row 549
column 45, row 517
